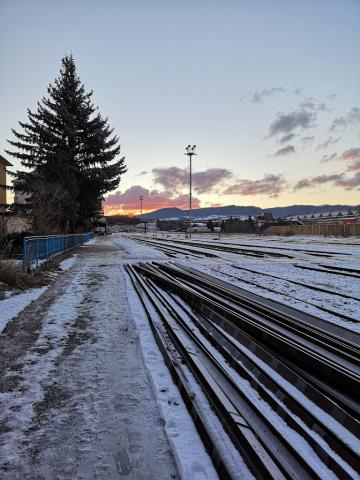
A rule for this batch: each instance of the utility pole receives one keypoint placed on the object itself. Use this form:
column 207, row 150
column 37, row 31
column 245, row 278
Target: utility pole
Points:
column 190, row 151
column 141, row 205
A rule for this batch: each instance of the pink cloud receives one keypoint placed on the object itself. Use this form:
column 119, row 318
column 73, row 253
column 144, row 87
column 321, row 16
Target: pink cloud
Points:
column 353, row 167
column 320, row 180
column 271, row 185
column 129, row 201
column 351, row 154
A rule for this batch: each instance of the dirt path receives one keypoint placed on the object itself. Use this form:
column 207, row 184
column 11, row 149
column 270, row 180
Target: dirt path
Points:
column 76, row 401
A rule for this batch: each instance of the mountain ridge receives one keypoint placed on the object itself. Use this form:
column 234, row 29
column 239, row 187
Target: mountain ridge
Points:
column 238, row 210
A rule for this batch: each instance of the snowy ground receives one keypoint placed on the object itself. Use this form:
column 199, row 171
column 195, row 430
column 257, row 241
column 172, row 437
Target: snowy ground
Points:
column 77, row 399
column 14, row 302
column 84, row 391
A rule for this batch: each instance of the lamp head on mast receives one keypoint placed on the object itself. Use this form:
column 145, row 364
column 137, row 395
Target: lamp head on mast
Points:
column 190, row 150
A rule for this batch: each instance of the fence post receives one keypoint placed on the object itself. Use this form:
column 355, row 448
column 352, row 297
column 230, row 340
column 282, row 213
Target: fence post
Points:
column 24, row 253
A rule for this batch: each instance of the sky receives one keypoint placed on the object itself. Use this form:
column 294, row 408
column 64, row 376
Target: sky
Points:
column 268, row 90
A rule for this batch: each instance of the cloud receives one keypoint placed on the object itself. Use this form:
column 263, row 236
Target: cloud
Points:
column 311, row 103
column 330, row 141
column 207, row 180
column 319, row 180
column 332, row 96
column 329, row 158
column 297, row 91
column 304, row 183
column 128, row 201
column 271, row 185
column 287, row 138
column 284, row 151
column 349, row 119
column 353, row 167
column 259, row 96
column 307, row 141
column 349, row 183
column 338, row 180
column 327, row 178
column 351, row 154
column 175, row 179
column 286, row 123
column 171, row 178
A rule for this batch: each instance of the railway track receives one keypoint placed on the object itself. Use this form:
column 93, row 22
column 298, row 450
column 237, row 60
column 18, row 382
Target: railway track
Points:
column 222, row 356
column 301, row 284
column 315, row 344
column 180, row 246
column 188, row 246
column 173, row 251
column 345, row 272
column 341, row 315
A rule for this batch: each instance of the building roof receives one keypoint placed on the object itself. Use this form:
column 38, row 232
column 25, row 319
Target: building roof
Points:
column 3, row 161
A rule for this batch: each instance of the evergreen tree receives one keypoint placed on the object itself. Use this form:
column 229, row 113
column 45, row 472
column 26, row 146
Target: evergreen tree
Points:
column 67, row 142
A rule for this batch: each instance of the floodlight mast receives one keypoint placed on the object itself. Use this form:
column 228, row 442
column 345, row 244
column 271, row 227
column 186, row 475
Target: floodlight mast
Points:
column 141, row 211
column 190, row 151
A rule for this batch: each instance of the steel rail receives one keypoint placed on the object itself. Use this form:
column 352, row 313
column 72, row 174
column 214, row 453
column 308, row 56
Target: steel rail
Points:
column 231, row 347
column 162, row 245
column 331, row 270
column 264, row 449
column 303, row 250
column 335, row 335
column 342, row 397
column 270, row 338
column 343, row 316
column 249, row 446
column 332, row 463
column 343, row 271
column 256, row 251
column 250, row 253
column 301, row 284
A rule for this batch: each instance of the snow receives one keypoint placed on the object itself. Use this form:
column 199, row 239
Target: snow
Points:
column 67, row 263
column 137, row 251
column 104, row 415
column 15, row 302
column 118, row 411
column 10, row 307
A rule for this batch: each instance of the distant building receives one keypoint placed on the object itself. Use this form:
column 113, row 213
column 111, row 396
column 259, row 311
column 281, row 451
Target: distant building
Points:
column 20, row 197
column 328, row 218
column 3, row 185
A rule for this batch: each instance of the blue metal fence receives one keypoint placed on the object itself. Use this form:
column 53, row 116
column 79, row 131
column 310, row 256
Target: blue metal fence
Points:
column 46, row 247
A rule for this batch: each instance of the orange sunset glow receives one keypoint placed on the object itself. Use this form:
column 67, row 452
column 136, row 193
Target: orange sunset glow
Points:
column 128, row 202
column 114, row 210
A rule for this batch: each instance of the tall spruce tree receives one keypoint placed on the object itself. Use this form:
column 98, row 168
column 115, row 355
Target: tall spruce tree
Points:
column 67, row 143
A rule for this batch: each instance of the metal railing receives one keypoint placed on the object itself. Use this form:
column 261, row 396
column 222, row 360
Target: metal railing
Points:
column 42, row 248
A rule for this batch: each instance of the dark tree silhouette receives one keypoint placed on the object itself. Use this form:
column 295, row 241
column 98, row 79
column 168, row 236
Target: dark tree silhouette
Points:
column 67, row 142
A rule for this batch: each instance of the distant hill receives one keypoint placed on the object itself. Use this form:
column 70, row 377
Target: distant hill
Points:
column 235, row 210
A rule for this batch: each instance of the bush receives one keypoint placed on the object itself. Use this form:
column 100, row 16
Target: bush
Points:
column 11, row 244
column 13, row 276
